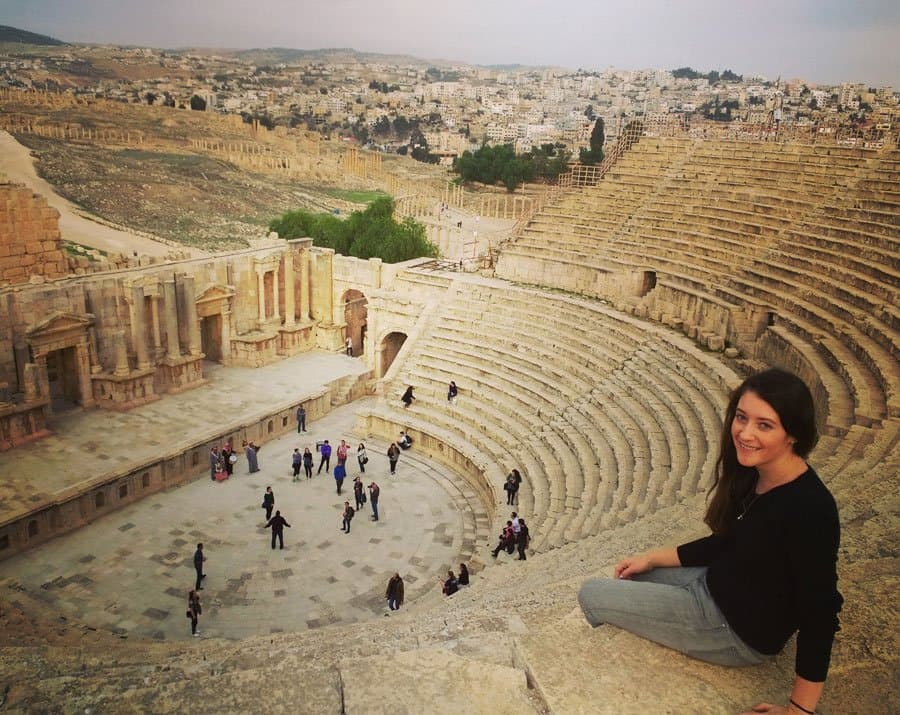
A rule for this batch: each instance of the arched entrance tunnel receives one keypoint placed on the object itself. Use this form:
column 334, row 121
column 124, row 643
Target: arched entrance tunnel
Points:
column 390, row 346
column 356, row 311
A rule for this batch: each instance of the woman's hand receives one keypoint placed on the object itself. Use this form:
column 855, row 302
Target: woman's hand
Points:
column 633, row 565
column 766, row 708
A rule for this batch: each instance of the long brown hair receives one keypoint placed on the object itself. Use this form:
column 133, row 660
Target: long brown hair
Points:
column 792, row 401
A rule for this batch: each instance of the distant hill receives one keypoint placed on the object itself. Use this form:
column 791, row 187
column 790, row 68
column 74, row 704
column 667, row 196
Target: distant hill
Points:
column 14, row 34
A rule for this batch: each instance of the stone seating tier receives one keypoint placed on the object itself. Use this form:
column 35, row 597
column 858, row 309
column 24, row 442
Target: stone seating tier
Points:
column 653, row 449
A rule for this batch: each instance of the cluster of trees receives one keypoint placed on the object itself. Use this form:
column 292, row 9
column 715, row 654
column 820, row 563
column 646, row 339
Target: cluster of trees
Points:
column 493, row 164
column 373, row 233
column 713, row 76
column 719, row 111
column 383, row 87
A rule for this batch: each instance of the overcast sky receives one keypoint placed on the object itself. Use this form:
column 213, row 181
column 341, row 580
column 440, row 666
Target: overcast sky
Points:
column 818, row 40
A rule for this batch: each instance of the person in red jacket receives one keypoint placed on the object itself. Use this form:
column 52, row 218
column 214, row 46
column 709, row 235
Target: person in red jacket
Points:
column 769, row 567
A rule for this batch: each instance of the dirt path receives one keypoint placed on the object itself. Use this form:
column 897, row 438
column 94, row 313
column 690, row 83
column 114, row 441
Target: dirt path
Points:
column 17, row 165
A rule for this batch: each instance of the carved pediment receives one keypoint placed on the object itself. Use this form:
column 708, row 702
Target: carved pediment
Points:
column 215, row 291
column 59, row 323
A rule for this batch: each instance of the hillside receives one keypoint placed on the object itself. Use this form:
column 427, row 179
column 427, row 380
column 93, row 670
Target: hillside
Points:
column 14, row 34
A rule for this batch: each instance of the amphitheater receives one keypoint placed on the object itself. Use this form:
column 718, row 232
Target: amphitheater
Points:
column 594, row 350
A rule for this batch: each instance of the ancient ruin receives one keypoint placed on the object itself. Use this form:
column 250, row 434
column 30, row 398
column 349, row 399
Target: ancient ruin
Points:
column 594, row 347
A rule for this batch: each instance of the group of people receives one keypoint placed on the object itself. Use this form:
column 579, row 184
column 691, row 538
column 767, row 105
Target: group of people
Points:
column 222, row 460
column 514, row 537
column 359, row 494
column 451, row 584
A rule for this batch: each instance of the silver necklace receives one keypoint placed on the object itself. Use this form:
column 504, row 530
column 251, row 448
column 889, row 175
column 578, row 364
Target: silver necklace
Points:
column 747, row 507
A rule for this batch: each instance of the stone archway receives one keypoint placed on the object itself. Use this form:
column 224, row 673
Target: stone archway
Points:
column 214, row 312
column 356, row 311
column 60, row 346
column 390, row 347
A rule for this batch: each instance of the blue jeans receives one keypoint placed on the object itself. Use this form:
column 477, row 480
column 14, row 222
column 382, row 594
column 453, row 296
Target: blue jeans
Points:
column 374, row 509
column 670, row 606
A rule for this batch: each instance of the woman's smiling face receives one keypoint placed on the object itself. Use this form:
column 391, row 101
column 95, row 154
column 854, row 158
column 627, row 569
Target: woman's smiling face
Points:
column 759, row 437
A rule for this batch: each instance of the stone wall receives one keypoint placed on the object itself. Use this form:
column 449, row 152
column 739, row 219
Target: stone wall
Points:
column 29, row 237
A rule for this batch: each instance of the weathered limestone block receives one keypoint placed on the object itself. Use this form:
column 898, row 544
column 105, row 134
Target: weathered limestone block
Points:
column 715, row 343
column 424, row 681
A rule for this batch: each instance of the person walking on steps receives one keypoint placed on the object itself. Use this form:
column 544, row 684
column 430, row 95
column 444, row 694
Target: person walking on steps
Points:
column 408, row 397
column 277, row 524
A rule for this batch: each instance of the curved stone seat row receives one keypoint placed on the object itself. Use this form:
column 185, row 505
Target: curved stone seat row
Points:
column 692, row 228
column 602, row 425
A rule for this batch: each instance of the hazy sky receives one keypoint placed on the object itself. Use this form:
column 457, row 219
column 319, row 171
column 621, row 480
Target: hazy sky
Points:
column 819, row 40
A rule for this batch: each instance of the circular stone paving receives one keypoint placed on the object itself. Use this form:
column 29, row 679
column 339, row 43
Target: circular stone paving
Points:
column 131, row 571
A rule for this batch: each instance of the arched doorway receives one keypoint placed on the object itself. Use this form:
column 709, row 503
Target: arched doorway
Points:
column 390, row 346
column 356, row 311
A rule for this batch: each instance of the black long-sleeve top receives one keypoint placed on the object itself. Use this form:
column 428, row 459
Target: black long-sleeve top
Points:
column 775, row 571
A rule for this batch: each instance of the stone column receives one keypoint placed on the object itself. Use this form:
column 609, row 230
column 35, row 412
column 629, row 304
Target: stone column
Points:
column 226, row 335
column 261, row 295
column 173, row 349
column 326, row 283
column 189, row 310
column 154, row 316
column 304, row 285
column 289, row 288
column 32, row 382
column 139, row 327
column 276, row 310
column 121, row 355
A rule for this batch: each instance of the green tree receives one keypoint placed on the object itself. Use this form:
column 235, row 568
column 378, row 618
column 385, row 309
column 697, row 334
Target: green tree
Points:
column 373, row 233
column 594, row 154
column 198, row 103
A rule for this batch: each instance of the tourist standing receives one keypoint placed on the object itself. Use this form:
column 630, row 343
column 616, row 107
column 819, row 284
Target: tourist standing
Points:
column 452, row 392
column 193, row 611
column 277, row 524
column 394, row 592
column 361, row 457
column 229, row 457
column 325, row 452
column 393, row 454
column 296, row 463
column 301, row 419
column 348, row 346
column 523, row 538
column 359, row 493
column 199, row 558
column 342, row 451
column 250, row 451
column 307, row 463
column 374, row 493
column 268, row 502
column 214, row 461
column 340, row 471
column 347, row 517
column 510, row 487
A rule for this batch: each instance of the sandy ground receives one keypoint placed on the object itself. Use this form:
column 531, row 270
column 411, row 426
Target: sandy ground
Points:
column 17, row 165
